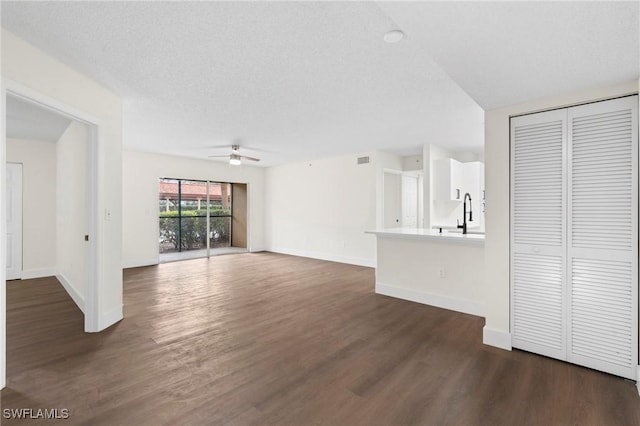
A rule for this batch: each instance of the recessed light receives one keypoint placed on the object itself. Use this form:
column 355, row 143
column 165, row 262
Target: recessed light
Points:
column 393, row 36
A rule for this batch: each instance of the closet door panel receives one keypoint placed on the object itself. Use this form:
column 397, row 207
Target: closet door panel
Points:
column 603, row 236
column 601, row 308
column 538, row 150
column 538, row 304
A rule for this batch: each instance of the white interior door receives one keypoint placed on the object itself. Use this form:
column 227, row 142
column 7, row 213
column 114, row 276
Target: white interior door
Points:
column 392, row 213
column 14, row 221
column 409, row 200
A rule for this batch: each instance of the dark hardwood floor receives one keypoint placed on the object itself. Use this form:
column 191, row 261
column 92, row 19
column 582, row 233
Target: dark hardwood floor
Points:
column 264, row 338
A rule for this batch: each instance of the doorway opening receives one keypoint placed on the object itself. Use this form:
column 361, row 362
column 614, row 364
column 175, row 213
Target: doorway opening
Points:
column 58, row 211
column 48, row 196
column 201, row 218
column 402, row 199
column 47, row 193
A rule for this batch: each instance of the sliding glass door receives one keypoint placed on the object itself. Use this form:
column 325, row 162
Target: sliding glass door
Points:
column 194, row 215
column 220, row 214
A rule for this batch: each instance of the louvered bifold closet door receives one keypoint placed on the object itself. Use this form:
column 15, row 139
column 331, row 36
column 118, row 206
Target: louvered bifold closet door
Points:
column 538, row 219
column 603, row 236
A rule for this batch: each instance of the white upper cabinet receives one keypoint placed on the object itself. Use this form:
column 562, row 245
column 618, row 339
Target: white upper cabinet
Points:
column 452, row 179
column 447, row 179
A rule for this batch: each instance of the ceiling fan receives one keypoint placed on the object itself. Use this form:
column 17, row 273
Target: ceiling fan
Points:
column 235, row 158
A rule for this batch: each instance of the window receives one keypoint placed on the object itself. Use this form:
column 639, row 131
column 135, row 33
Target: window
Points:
column 183, row 215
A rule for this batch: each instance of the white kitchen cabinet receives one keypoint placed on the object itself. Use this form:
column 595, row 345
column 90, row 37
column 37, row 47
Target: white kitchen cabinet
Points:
column 451, row 180
column 447, row 179
column 574, row 240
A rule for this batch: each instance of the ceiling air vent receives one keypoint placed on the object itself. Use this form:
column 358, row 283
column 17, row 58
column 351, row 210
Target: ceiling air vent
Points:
column 363, row 160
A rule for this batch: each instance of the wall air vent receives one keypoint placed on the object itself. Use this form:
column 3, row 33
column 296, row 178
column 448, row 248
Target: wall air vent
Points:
column 363, row 160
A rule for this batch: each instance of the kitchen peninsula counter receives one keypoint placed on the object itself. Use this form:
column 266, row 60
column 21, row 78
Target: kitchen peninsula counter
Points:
column 433, row 235
column 438, row 269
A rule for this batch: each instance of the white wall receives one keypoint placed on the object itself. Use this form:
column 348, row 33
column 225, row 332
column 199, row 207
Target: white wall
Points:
column 497, row 219
column 141, row 174
column 27, row 69
column 72, row 210
column 412, row 162
column 38, row 159
column 322, row 208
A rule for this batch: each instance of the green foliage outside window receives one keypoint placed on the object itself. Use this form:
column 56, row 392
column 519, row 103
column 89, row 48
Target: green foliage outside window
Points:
column 194, row 228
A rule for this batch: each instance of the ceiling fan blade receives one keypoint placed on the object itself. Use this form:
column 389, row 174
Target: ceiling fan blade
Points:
column 249, row 158
column 219, row 146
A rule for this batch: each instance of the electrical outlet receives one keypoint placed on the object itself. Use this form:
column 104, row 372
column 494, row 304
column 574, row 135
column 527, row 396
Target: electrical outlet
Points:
column 441, row 272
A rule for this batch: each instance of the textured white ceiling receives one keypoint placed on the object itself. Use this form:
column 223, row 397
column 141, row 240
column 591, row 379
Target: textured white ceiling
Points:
column 292, row 80
column 503, row 53
column 26, row 120
column 299, row 80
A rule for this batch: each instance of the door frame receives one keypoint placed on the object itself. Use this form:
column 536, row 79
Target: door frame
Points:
column 96, row 146
column 18, row 191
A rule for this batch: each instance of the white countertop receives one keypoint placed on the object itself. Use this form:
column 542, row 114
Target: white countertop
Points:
column 431, row 235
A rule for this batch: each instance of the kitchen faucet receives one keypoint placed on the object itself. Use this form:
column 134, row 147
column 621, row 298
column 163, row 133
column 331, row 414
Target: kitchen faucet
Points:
column 464, row 213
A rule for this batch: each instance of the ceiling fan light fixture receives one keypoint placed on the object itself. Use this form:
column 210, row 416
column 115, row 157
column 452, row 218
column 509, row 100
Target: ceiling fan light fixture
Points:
column 393, row 36
column 234, row 160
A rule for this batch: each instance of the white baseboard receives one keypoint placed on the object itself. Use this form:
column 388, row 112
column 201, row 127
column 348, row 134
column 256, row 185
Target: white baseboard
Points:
column 110, row 318
column 360, row 261
column 29, row 274
column 136, row 263
column 498, row 338
column 79, row 300
column 441, row 301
